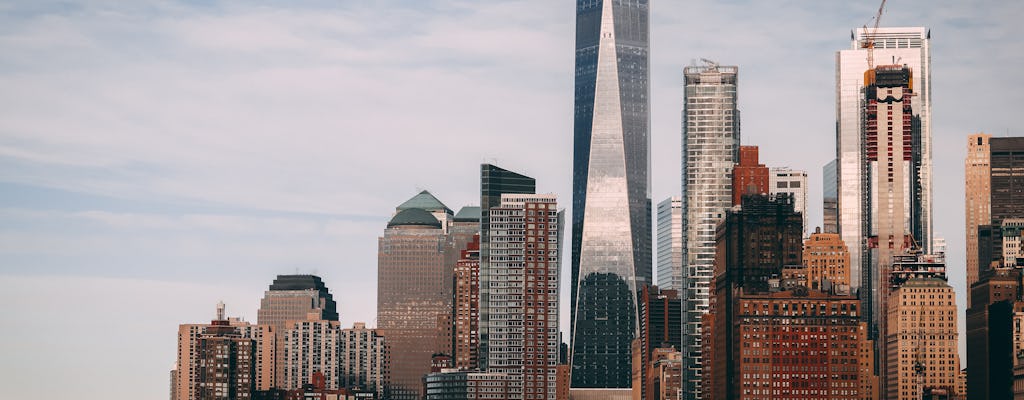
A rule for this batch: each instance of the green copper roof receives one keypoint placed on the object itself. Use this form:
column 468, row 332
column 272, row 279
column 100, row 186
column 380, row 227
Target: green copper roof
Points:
column 424, row 201
column 414, row 216
column 468, row 214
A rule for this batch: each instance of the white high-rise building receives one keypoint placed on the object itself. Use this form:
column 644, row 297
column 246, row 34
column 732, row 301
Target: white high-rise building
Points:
column 670, row 243
column 524, row 264
column 711, row 142
column 892, row 46
column 786, row 180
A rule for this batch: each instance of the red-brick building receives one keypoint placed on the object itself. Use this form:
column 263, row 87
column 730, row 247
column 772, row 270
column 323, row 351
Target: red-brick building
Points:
column 748, row 176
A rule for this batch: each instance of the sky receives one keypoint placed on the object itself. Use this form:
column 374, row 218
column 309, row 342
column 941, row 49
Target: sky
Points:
column 157, row 157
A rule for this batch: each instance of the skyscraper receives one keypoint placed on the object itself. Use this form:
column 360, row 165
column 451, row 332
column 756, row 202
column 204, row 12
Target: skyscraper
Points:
column 494, row 181
column 670, row 244
column 611, row 233
column 786, row 180
column 364, row 360
column 711, row 142
column 1007, row 178
column 466, row 308
column 226, row 362
column 311, row 346
column 291, row 298
column 414, row 288
column 524, row 287
column 976, row 199
column 901, row 46
column 829, row 199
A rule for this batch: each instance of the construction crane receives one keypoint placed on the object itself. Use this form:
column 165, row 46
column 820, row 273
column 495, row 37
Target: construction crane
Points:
column 869, row 38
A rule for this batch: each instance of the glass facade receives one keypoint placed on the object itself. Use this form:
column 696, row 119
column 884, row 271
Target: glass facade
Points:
column 830, row 198
column 494, row 181
column 711, row 142
column 903, row 46
column 670, row 244
column 611, row 236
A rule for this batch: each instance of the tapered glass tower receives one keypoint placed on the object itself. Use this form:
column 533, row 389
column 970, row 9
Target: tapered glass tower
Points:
column 611, row 235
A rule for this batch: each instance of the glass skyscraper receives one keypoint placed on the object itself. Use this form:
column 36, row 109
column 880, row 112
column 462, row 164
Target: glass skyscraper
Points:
column 711, row 145
column 611, row 235
column 899, row 46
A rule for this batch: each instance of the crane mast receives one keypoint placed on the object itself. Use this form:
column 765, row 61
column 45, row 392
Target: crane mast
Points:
column 869, row 39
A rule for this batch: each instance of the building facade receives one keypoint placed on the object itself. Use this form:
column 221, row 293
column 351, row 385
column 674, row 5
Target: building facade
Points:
column 711, row 142
column 990, row 334
column 786, row 180
column 364, row 360
column 611, row 221
column 494, row 181
column 753, row 244
column 311, row 346
column 911, row 46
column 749, row 176
column 1007, row 178
column 828, row 262
column 830, row 198
column 187, row 379
column 466, row 308
column 226, row 363
column 415, row 263
column 293, row 298
column 660, row 328
column 450, row 384
column 977, row 190
column 921, row 340
column 670, row 243
column 524, row 260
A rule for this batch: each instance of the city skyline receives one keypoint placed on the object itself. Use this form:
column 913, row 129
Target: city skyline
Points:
column 160, row 203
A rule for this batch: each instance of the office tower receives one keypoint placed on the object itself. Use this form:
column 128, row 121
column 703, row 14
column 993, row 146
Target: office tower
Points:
column 749, row 176
column 828, row 262
column 903, row 46
column 893, row 179
column 711, row 142
column 1007, row 178
column 798, row 344
column 174, row 382
column 291, row 298
column 466, row 308
column 786, row 180
column 921, row 341
column 364, row 360
column 226, row 362
column 494, row 181
column 753, row 244
column 611, row 221
column 670, row 243
column 310, row 346
column 866, row 371
column 187, row 377
column 660, row 327
column 976, row 199
column 524, row 293
column 414, row 288
column 830, row 198
column 990, row 344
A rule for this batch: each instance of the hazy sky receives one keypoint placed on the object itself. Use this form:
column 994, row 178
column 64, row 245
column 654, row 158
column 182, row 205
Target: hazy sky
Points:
column 157, row 157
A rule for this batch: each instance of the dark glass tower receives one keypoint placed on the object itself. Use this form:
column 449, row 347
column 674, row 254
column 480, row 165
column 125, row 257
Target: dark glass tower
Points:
column 493, row 182
column 611, row 233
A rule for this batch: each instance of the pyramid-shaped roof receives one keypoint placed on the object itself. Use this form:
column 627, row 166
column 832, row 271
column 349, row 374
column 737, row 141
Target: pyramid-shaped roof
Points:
column 468, row 214
column 424, row 201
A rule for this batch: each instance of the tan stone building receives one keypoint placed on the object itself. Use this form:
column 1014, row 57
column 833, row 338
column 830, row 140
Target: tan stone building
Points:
column 977, row 186
column 921, row 340
column 827, row 258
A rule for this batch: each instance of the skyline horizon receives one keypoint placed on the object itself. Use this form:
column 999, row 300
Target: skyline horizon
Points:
column 148, row 155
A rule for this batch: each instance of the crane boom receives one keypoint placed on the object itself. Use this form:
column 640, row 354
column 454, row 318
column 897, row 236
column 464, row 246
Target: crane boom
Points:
column 869, row 41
